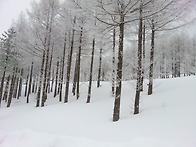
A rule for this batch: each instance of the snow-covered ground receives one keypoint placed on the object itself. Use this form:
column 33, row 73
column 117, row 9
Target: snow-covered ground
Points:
column 166, row 119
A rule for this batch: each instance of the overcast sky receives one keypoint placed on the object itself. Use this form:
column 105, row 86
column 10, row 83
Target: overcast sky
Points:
column 9, row 10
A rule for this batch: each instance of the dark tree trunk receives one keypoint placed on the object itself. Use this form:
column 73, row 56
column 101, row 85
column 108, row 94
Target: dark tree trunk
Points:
column 116, row 113
column 11, row 88
column 139, row 68
column 40, row 80
column 69, row 65
column 75, row 76
column 33, row 86
column 20, row 84
column 79, row 60
column 49, row 70
column 99, row 70
column 27, row 81
column 150, row 85
column 44, row 88
column 2, row 85
column 143, row 56
column 5, row 95
column 51, row 90
column 113, row 62
column 30, row 82
column 91, row 73
column 62, row 70
column 16, row 84
column 56, row 79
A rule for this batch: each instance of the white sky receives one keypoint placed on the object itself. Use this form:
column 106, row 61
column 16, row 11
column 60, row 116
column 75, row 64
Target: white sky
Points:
column 9, row 10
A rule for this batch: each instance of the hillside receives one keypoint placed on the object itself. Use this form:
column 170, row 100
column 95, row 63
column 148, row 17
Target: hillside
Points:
column 166, row 119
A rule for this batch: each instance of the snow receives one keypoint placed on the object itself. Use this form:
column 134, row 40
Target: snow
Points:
column 166, row 119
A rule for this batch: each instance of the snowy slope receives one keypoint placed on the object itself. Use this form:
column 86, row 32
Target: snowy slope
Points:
column 166, row 119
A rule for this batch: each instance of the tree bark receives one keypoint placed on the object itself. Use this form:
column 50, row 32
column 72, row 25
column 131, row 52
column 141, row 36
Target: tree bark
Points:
column 79, row 61
column 5, row 95
column 30, row 82
column 56, row 79
column 69, row 65
column 2, row 85
column 150, row 85
column 20, row 84
column 62, row 71
column 91, row 72
column 139, row 68
column 116, row 113
column 27, row 81
column 40, row 79
column 99, row 70
column 113, row 62
column 11, row 88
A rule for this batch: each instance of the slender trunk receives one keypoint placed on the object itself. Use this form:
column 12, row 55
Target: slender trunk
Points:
column 150, row 85
column 51, row 90
column 139, row 68
column 11, row 88
column 56, row 79
column 79, row 60
column 27, row 81
column 40, row 80
column 5, row 95
column 69, row 65
column 116, row 113
column 113, row 63
column 2, row 80
column 143, row 56
column 91, row 73
column 30, row 82
column 33, row 86
column 49, row 70
column 75, row 76
column 20, row 84
column 62, row 70
column 99, row 71
column 16, row 84
column 2, row 85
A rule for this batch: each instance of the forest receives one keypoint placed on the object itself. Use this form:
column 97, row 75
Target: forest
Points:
column 57, row 45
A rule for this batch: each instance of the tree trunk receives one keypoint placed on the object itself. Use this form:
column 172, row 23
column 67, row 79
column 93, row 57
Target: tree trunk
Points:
column 62, row 70
column 79, row 61
column 30, row 82
column 113, row 62
column 27, row 81
column 91, row 73
column 5, row 95
column 16, row 84
column 99, row 71
column 2, row 85
column 56, row 79
column 144, row 57
column 69, row 65
column 139, row 68
column 20, row 84
column 40, row 80
column 150, row 85
column 51, row 90
column 116, row 113
column 49, row 70
column 75, row 76
column 11, row 88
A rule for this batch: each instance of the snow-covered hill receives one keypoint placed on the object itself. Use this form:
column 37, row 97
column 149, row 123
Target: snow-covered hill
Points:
column 166, row 119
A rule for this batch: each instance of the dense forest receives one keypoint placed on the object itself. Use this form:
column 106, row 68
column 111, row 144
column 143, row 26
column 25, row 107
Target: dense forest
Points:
column 55, row 46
